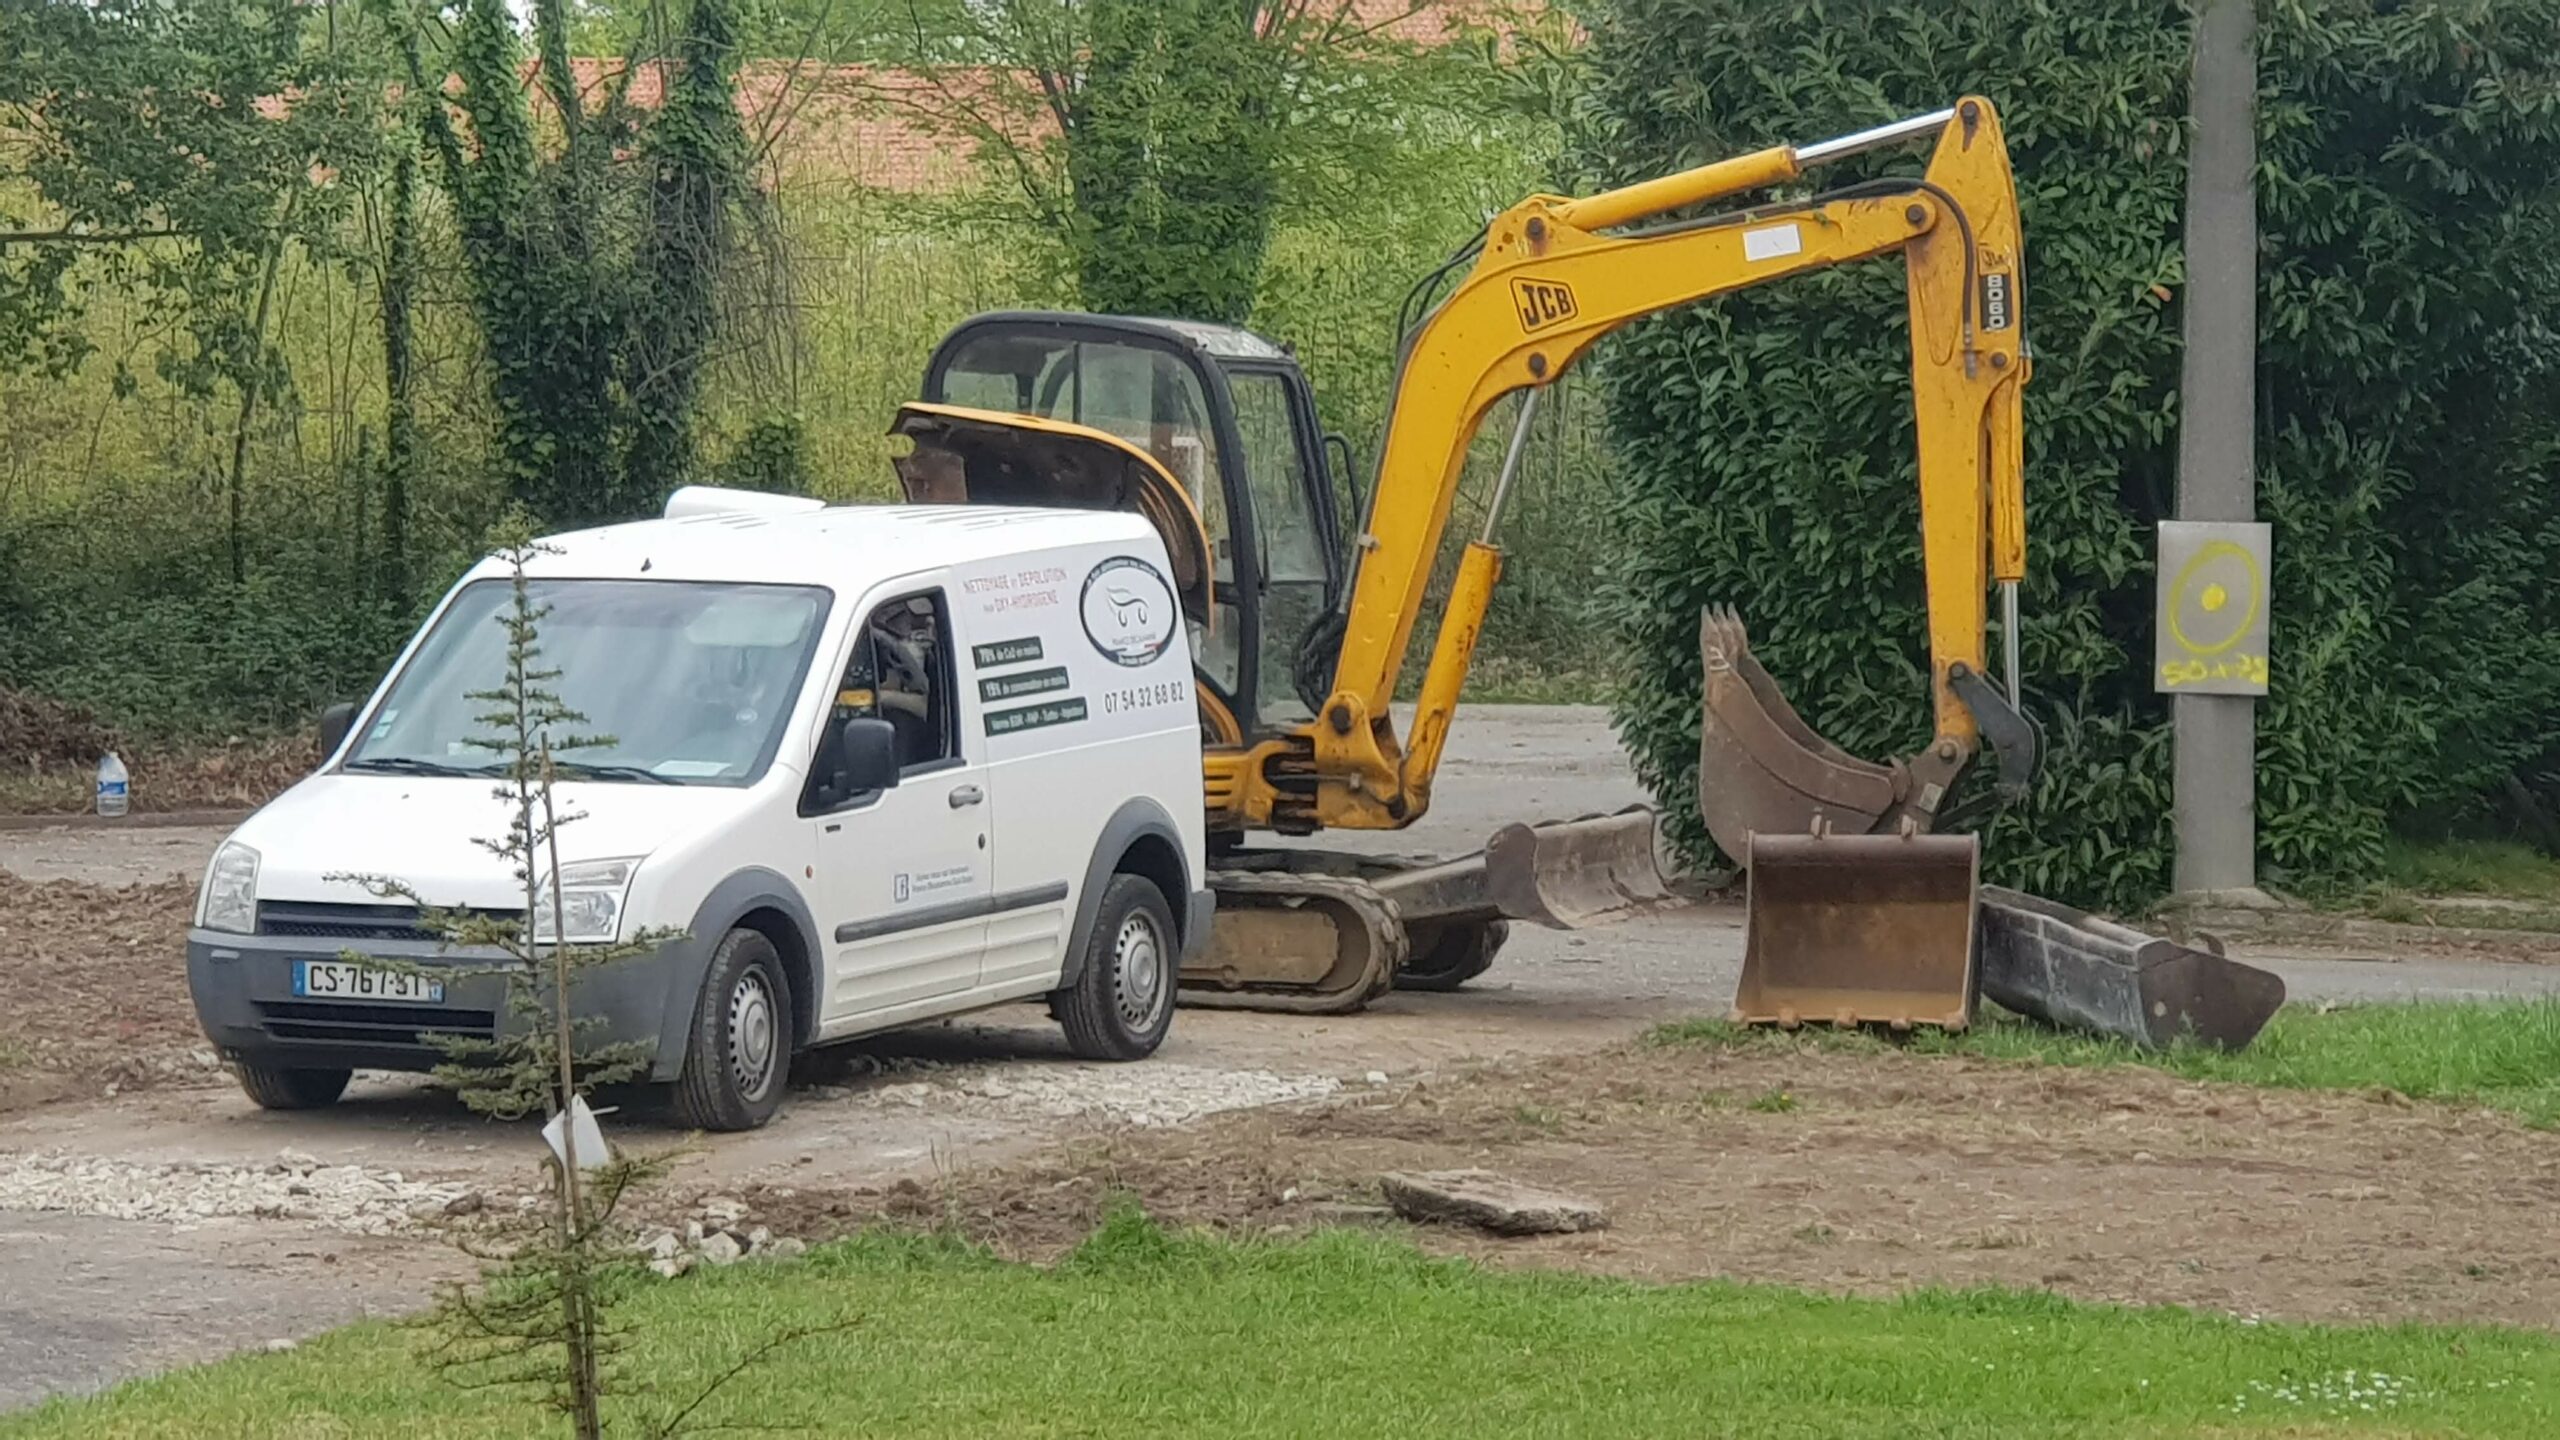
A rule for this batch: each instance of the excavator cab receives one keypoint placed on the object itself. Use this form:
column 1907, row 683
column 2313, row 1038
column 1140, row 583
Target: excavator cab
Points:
column 1228, row 415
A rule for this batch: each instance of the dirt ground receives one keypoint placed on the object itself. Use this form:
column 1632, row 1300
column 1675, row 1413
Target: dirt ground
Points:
column 92, row 1000
column 1877, row 1172
column 1856, row 1173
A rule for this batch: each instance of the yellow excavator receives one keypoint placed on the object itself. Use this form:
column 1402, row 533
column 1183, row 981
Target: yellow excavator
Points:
column 1302, row 623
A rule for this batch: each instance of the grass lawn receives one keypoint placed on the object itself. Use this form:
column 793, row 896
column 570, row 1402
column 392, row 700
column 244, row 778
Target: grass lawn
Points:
column 2501, row 868
column 2472, row 884
column 1142, row 1333
column 2501, row 1053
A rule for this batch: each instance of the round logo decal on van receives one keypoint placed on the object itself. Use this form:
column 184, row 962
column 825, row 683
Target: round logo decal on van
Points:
column 1129, row 611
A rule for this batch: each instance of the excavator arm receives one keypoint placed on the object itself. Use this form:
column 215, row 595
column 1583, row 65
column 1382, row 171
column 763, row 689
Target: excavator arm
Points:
column 1556, row 274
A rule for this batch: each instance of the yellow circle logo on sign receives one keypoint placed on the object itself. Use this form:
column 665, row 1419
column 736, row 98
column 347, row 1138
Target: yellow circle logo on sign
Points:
column 2212, row 596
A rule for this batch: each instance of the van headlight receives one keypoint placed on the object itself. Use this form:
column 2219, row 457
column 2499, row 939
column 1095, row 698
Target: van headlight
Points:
column 591, row 896
column 231, row 891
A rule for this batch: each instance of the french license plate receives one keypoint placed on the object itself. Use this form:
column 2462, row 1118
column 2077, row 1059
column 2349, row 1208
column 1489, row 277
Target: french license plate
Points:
column 337, row 980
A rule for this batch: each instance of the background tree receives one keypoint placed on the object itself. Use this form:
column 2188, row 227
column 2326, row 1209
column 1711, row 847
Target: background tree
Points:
column 1162, row 138
column 187, row 147
column 595, row 275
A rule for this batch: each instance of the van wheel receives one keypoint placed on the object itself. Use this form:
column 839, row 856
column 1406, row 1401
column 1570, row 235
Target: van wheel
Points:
column 1121, row 1004
column 737, row 1060
column 280, row 1087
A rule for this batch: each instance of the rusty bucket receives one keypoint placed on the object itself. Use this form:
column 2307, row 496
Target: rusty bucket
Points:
column 1859, row 930
column 1761, row 768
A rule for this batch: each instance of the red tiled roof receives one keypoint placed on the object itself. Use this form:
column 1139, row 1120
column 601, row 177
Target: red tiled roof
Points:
column 909, row 131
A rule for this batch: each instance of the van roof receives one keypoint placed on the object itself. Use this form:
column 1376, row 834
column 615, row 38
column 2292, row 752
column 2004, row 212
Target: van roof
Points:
column 830, row 546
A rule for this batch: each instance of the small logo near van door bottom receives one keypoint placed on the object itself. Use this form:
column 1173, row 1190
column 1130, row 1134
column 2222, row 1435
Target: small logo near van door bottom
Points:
column 906, row 886
column 1129, row 611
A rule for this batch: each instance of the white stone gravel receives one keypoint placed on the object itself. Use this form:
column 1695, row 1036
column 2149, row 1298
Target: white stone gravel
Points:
column 351, row 1198
column 1154, row 1093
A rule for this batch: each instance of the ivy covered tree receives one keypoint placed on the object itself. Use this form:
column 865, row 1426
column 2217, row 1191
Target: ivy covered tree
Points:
column 2410, row 170
column 596, row 234
column 1161, row 139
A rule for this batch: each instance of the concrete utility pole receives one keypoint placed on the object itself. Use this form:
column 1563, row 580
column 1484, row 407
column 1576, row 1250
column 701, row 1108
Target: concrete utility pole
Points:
column 2216, row 735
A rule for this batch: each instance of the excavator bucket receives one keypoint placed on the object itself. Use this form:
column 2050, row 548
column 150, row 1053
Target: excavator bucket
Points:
column 1761, row 769
column 2081, row 971
column 1572, row 873
column 1859, row 930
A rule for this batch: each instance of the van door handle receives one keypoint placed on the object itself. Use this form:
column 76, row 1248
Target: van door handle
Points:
column 966, row 795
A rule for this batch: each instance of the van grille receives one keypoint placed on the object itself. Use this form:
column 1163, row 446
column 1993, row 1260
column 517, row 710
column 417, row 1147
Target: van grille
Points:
column 352, row 922
column 405, row 1025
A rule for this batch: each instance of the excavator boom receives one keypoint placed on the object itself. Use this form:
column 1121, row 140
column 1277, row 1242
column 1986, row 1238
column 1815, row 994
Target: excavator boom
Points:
column 1548, row 283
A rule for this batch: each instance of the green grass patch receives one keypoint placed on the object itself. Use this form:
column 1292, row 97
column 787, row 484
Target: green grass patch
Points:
column 1498, row 679
column 2470, row 884
column 2504, row 1054
column 1146, row 1333
column 2500, row 868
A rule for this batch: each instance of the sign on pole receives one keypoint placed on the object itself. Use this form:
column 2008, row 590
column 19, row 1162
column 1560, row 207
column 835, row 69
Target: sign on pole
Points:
column 2211, row 620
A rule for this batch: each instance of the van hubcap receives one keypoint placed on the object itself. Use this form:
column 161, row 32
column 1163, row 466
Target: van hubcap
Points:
column 751, row 1034
column 1137, row 955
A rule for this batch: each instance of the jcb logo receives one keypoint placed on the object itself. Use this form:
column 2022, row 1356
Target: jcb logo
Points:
column 1542, row 303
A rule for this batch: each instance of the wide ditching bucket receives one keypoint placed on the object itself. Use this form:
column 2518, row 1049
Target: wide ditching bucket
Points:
column 1859, row 930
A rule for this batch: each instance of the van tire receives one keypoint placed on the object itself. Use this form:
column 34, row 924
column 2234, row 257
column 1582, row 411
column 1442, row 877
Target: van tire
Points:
column 737, row 1057
column 1121, row 1003
column 285, row 1087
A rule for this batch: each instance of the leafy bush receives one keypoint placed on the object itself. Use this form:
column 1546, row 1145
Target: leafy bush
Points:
column 2408, row 159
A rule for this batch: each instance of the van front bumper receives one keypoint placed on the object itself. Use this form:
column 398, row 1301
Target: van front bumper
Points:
column 243, row 989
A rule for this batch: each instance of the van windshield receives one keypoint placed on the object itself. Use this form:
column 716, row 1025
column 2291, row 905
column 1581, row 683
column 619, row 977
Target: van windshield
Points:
column 680, row 682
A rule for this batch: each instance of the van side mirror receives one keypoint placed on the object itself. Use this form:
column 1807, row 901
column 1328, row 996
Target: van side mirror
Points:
column 869, row 747
column 334, row 723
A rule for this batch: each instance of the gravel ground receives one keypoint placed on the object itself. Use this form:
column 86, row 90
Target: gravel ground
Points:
column 296, row 1187
column 1143, row 1096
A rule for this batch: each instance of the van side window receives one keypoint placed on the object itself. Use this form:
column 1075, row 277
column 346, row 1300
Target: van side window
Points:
column 899, row 670
column 912, row 681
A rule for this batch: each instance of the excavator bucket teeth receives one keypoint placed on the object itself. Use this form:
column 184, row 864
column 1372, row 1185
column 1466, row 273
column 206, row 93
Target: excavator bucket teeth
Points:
column 1761, row 768
column 1572, row 873
column 1859, row 930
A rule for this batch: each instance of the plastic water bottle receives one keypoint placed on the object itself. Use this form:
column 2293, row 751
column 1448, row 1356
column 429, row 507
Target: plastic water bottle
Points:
column 114, row 786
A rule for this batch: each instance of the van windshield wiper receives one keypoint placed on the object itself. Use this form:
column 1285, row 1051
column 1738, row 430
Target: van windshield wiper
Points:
column 411, row 765
column 582, row 770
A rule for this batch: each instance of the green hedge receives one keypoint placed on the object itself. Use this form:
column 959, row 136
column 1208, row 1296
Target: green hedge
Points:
column 2409, row 158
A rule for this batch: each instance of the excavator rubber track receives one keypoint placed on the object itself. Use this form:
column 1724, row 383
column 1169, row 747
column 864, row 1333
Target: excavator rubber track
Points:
column 1300, row 944
column 1322, row 932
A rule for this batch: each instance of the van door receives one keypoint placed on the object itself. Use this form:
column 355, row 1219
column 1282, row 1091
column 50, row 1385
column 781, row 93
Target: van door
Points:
column 903, row 873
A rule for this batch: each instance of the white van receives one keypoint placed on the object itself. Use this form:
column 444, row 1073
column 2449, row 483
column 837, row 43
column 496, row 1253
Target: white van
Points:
column 879, row 763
